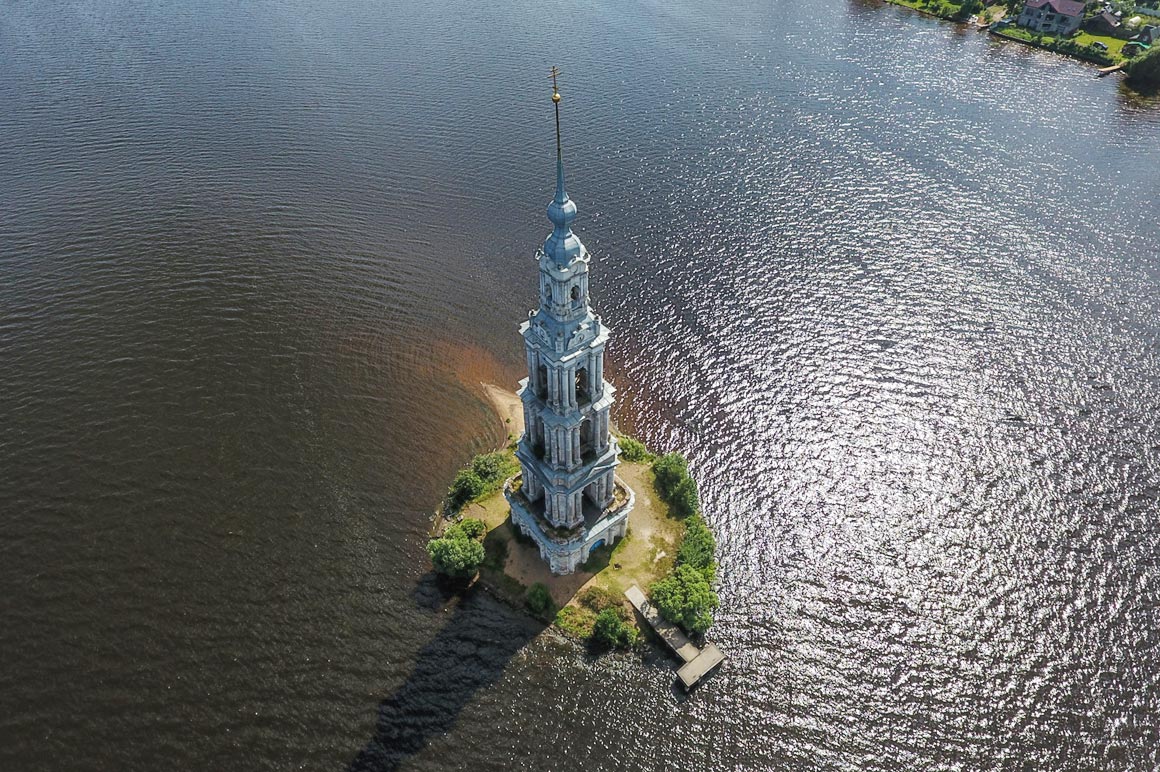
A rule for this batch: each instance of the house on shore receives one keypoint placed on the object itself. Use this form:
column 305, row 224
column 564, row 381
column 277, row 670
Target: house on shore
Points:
column 1105, row 23
column 1052, row 17
column 1149, row 35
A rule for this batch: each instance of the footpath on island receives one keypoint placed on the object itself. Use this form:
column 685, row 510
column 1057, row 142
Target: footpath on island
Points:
column 668, row 551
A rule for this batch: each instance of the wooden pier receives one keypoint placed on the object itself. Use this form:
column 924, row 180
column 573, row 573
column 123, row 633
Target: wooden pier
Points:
column 698, row 662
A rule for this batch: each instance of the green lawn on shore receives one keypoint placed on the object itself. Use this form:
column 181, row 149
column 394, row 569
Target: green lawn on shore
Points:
column 1072, row 46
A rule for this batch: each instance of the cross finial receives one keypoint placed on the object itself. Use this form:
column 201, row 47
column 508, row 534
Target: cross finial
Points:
column 555, row 72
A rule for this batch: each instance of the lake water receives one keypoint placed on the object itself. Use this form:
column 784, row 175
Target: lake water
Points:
column 893, row 286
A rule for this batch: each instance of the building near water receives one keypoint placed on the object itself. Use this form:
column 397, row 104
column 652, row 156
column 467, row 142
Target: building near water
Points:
column 1052, row 17
column 567, row 497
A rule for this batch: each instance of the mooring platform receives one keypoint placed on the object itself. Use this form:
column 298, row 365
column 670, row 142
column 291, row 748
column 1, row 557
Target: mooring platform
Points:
column 698, row 662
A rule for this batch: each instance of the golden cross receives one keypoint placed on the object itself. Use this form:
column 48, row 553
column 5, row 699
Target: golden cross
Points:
column 555, row 90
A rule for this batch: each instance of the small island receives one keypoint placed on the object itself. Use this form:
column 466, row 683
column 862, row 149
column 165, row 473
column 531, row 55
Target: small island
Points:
column 668, row 549
column 569, row 520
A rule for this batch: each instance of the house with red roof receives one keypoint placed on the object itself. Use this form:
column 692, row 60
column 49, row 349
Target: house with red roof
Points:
column 1052, row 17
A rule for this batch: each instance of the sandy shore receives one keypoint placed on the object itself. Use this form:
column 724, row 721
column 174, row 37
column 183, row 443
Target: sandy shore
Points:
column 508, row 407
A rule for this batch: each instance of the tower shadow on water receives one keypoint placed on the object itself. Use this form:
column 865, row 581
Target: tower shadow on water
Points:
column 470, row 652
column 570, row 401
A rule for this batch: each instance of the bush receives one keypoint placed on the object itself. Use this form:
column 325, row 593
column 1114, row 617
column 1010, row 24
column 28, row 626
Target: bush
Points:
column 455, row 554
column 670, row 469
column 538, row 599
column 633, row 450
column 697, row 548
column 490, row 467
column 466, row 486
column 686, row 598
column 472, row 528
column 969, row 8
column 674, row 484
column 683, row 498
column 576, row 622
column 599, row 598
column 611, row 631
column 1144, row 70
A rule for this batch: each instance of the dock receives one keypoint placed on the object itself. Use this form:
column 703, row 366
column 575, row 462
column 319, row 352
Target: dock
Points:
column 698, row 663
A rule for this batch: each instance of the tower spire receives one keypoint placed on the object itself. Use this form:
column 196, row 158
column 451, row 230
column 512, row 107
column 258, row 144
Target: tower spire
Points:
column 561, row 196
column 562, row 245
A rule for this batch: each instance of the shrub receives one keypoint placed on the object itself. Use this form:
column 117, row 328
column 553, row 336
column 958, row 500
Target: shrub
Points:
column 610, row 631
column 674, row 484
column 686, row 598
column 576, row 622
column 697, row 548
column 538, row 599
column 683, row 498
column 466, row 486
column 472, row 528
column 455, row 554
column 490, row 467
column 1144, row 70
column 599, row 598
column 633, row 450
column 670, row 469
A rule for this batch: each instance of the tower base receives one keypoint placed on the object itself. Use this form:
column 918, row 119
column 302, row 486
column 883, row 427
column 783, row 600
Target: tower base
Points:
column 566, row 550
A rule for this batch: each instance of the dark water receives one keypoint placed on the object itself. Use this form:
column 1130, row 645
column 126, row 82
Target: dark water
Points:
column 894, row 287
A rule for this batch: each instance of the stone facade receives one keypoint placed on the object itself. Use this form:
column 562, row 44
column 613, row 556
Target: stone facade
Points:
column 568, row 497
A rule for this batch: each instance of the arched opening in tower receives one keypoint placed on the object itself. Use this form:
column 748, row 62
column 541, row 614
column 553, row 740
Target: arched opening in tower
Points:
column 542, row 382
column 585, row 437
column 582, row 394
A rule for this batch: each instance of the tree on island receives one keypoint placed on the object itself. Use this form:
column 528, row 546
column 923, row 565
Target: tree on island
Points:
column 686, row 598
column 485, row 475
column 697, row 548
column 538, row 599
column 675, row 485
column 634, row 450
column 611, row 631
column 458, row 553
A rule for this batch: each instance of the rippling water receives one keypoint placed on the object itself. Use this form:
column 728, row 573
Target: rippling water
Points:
column 893, row 286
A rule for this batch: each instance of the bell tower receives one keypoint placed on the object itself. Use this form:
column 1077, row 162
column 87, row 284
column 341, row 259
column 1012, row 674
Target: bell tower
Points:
column 567, row 455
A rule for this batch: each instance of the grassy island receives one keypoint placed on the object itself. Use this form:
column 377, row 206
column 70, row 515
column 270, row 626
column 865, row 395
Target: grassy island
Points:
column 668, row 550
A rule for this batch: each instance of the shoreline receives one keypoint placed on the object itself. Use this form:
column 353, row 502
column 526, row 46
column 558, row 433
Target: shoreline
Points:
column 513, row 565
column 508, row 407
column 1110, row 60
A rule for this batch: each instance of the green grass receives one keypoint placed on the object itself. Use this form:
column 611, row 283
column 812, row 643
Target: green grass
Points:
column 1115, row 45
column 941, row 8
column 1062, row 45
column 576, row 621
